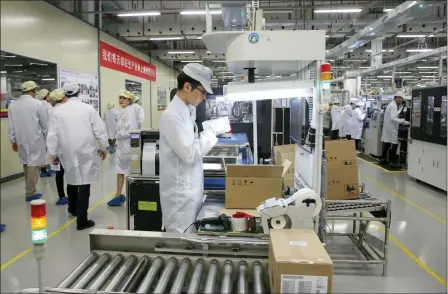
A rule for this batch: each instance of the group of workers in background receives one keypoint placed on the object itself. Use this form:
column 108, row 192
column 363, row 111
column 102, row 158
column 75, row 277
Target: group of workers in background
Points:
column 347, row 122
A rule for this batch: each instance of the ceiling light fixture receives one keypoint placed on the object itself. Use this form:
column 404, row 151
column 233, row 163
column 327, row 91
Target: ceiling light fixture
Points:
column 199, row 38
column 366, row 67
column 180, row 52
column 387, row 9
column 165, row 38
column 35, row 63
column 418, row 50
column 428, row 67
column 12, row 65
column 349, row 10
column 187, row 61
column 49, row 79
column 144, row 13
column 17, row 71
column 8, row 56
column 3, row 71
column 199, row 12
column 429, row 77
column 414, row 36
column 384, row 76
column 428, row 72
column 384, row 50
column 219, row 61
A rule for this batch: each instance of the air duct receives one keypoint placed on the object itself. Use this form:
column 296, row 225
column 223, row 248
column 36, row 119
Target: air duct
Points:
column 234, row 17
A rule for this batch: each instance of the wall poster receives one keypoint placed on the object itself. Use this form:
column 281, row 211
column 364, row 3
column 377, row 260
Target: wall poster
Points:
column 136, row 88
column 162, row 100
column 88, row 85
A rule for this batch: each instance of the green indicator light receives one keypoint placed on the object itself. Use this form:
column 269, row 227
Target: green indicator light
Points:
column 421, row 5
column 39, row 236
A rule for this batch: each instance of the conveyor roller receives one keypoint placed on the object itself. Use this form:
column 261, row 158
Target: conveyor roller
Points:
column 132, row 273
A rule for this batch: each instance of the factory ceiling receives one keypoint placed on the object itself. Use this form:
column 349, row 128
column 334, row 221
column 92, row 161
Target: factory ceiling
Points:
column 172, row 31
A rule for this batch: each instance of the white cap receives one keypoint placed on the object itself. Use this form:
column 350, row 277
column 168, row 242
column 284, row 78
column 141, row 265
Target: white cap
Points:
column 336, row 101
column 70, row 88
column 57, row 95
column 399, row 94
column 354, row 100
column 201, row 74
column 28, row 86
column 136, row 98
column 359, row 104
column 42, row 94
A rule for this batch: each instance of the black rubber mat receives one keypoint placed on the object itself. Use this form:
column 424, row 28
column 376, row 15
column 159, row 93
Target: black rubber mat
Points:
column 367, row 158
column 388, row 167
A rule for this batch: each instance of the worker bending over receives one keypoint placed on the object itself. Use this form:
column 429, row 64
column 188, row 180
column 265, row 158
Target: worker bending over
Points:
column 129, row 121
column 58, row 98
column 111, row 117
column 28, row 127
column 357, row 124
column 335, row 119
column 75, row 130
column 389, row 138
column 182, row 150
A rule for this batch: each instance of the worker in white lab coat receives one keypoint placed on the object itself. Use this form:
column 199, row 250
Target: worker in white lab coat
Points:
column 347, row 118
column 75, row 130
column 335, row 119
column 391, row 123
column 28, row 127
column 44, row 96
column 326, row 120
column 111, row 117
column 357, row 123
column 129, row 121
column 182, row 149
column 139, row 110
column 58, row 98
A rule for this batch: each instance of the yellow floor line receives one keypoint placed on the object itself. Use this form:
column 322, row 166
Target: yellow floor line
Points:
column 411, row 255
column 52, row 234
column 381, row 168
column 406, row 200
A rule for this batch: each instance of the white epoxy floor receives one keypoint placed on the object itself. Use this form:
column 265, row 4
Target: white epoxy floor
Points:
column 417, row 250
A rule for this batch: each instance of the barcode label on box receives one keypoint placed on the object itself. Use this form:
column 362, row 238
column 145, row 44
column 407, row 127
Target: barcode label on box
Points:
column 304, row 284
column 298, row 243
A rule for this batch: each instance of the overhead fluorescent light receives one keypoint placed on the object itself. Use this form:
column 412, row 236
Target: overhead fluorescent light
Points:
column 219, row 61
column 384, row 50
column 418, row 50
column 429, row 77
column 276, row 11
column 13, row 65
column 199, row 12
column 35, row 63
column 199, row 38
column 348, row 10
column 3, row 72
column 427, row 67
column 428, row 72
column 366, row 67
column 165, row 38
column 387, row 9
column 434, row 79
column 188, row 61
column 402, row 72
column 8, row 56
column 180, row 52
column 408, row 77
column 144, row 13
column 384, row 76
column 355, row 60
column 413, row 36
column 327, row 36
column 48, row 79
column 17, row 71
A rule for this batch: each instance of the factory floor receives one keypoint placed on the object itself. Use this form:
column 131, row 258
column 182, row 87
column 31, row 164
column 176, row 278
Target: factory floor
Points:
column 417, row 244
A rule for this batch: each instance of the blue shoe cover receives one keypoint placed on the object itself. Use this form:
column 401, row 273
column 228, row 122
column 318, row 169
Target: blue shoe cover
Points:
column 45, row 174
column 117, row 201
column 2, row 227
column 62, row 201
column 33, row 197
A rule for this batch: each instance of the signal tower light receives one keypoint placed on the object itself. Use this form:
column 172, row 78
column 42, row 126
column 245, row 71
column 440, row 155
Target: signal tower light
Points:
column 38, row 222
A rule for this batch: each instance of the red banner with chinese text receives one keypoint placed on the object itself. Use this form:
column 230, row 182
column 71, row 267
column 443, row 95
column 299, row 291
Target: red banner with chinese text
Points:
column 116, row 59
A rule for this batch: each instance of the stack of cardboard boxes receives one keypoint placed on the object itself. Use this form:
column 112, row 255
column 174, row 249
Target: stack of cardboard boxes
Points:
column 342, row 170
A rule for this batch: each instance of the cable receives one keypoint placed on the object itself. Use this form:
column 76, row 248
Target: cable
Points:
column 189, row 227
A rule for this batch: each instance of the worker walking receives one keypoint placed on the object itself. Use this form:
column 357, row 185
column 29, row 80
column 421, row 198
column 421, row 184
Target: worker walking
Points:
column 58, row 98
column 357, row 124
column 75, row 130
column 182, row 149
column 129, row 121
column 111, row 117
column 44, row 96
column 335, row 119
column 391, row 124
column 28, row 127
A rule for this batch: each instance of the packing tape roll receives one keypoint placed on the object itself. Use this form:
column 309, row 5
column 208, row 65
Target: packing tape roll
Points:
column 278, row 222
column 149, row 159
column 307, row 193
column 239, row 224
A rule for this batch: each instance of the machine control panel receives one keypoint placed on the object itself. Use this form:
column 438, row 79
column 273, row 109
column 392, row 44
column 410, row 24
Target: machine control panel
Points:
column 135, row 140
column 416, row 111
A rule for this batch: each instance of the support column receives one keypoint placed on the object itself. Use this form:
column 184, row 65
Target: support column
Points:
column 376, row 47
column 88, row 6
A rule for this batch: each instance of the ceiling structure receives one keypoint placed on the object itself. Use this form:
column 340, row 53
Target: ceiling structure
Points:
column 173, row 32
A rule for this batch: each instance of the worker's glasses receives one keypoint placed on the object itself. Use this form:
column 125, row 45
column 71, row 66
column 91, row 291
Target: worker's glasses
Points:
column 203, row 92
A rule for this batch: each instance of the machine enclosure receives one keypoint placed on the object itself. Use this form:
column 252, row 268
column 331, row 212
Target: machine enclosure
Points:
column 298, row 262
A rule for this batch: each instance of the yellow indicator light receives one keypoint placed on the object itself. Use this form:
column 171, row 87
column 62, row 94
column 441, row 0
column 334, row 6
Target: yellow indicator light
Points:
column 38, row 223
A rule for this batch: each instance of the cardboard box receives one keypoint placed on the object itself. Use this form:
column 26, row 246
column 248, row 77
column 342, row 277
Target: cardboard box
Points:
column 249, row 185
column 282, row 153
column 340, row 152
column 298, row 263
column 342, row 182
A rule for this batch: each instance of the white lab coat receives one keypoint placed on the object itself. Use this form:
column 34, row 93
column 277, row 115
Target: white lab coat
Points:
column 336, row 118
column 181, row 172
column 75, row 129
column 140, row 113
column 111, row 117
column 346, row 120
column 356, row 123
column 28, row 128
column 391, row 123
column 128, row 122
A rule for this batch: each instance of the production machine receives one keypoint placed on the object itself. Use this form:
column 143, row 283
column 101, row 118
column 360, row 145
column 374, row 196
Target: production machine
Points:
column 428, row 138
column 374, row 128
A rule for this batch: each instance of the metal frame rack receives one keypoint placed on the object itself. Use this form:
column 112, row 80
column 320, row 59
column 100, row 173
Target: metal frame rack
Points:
column 362, row 212
column 144, row 262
